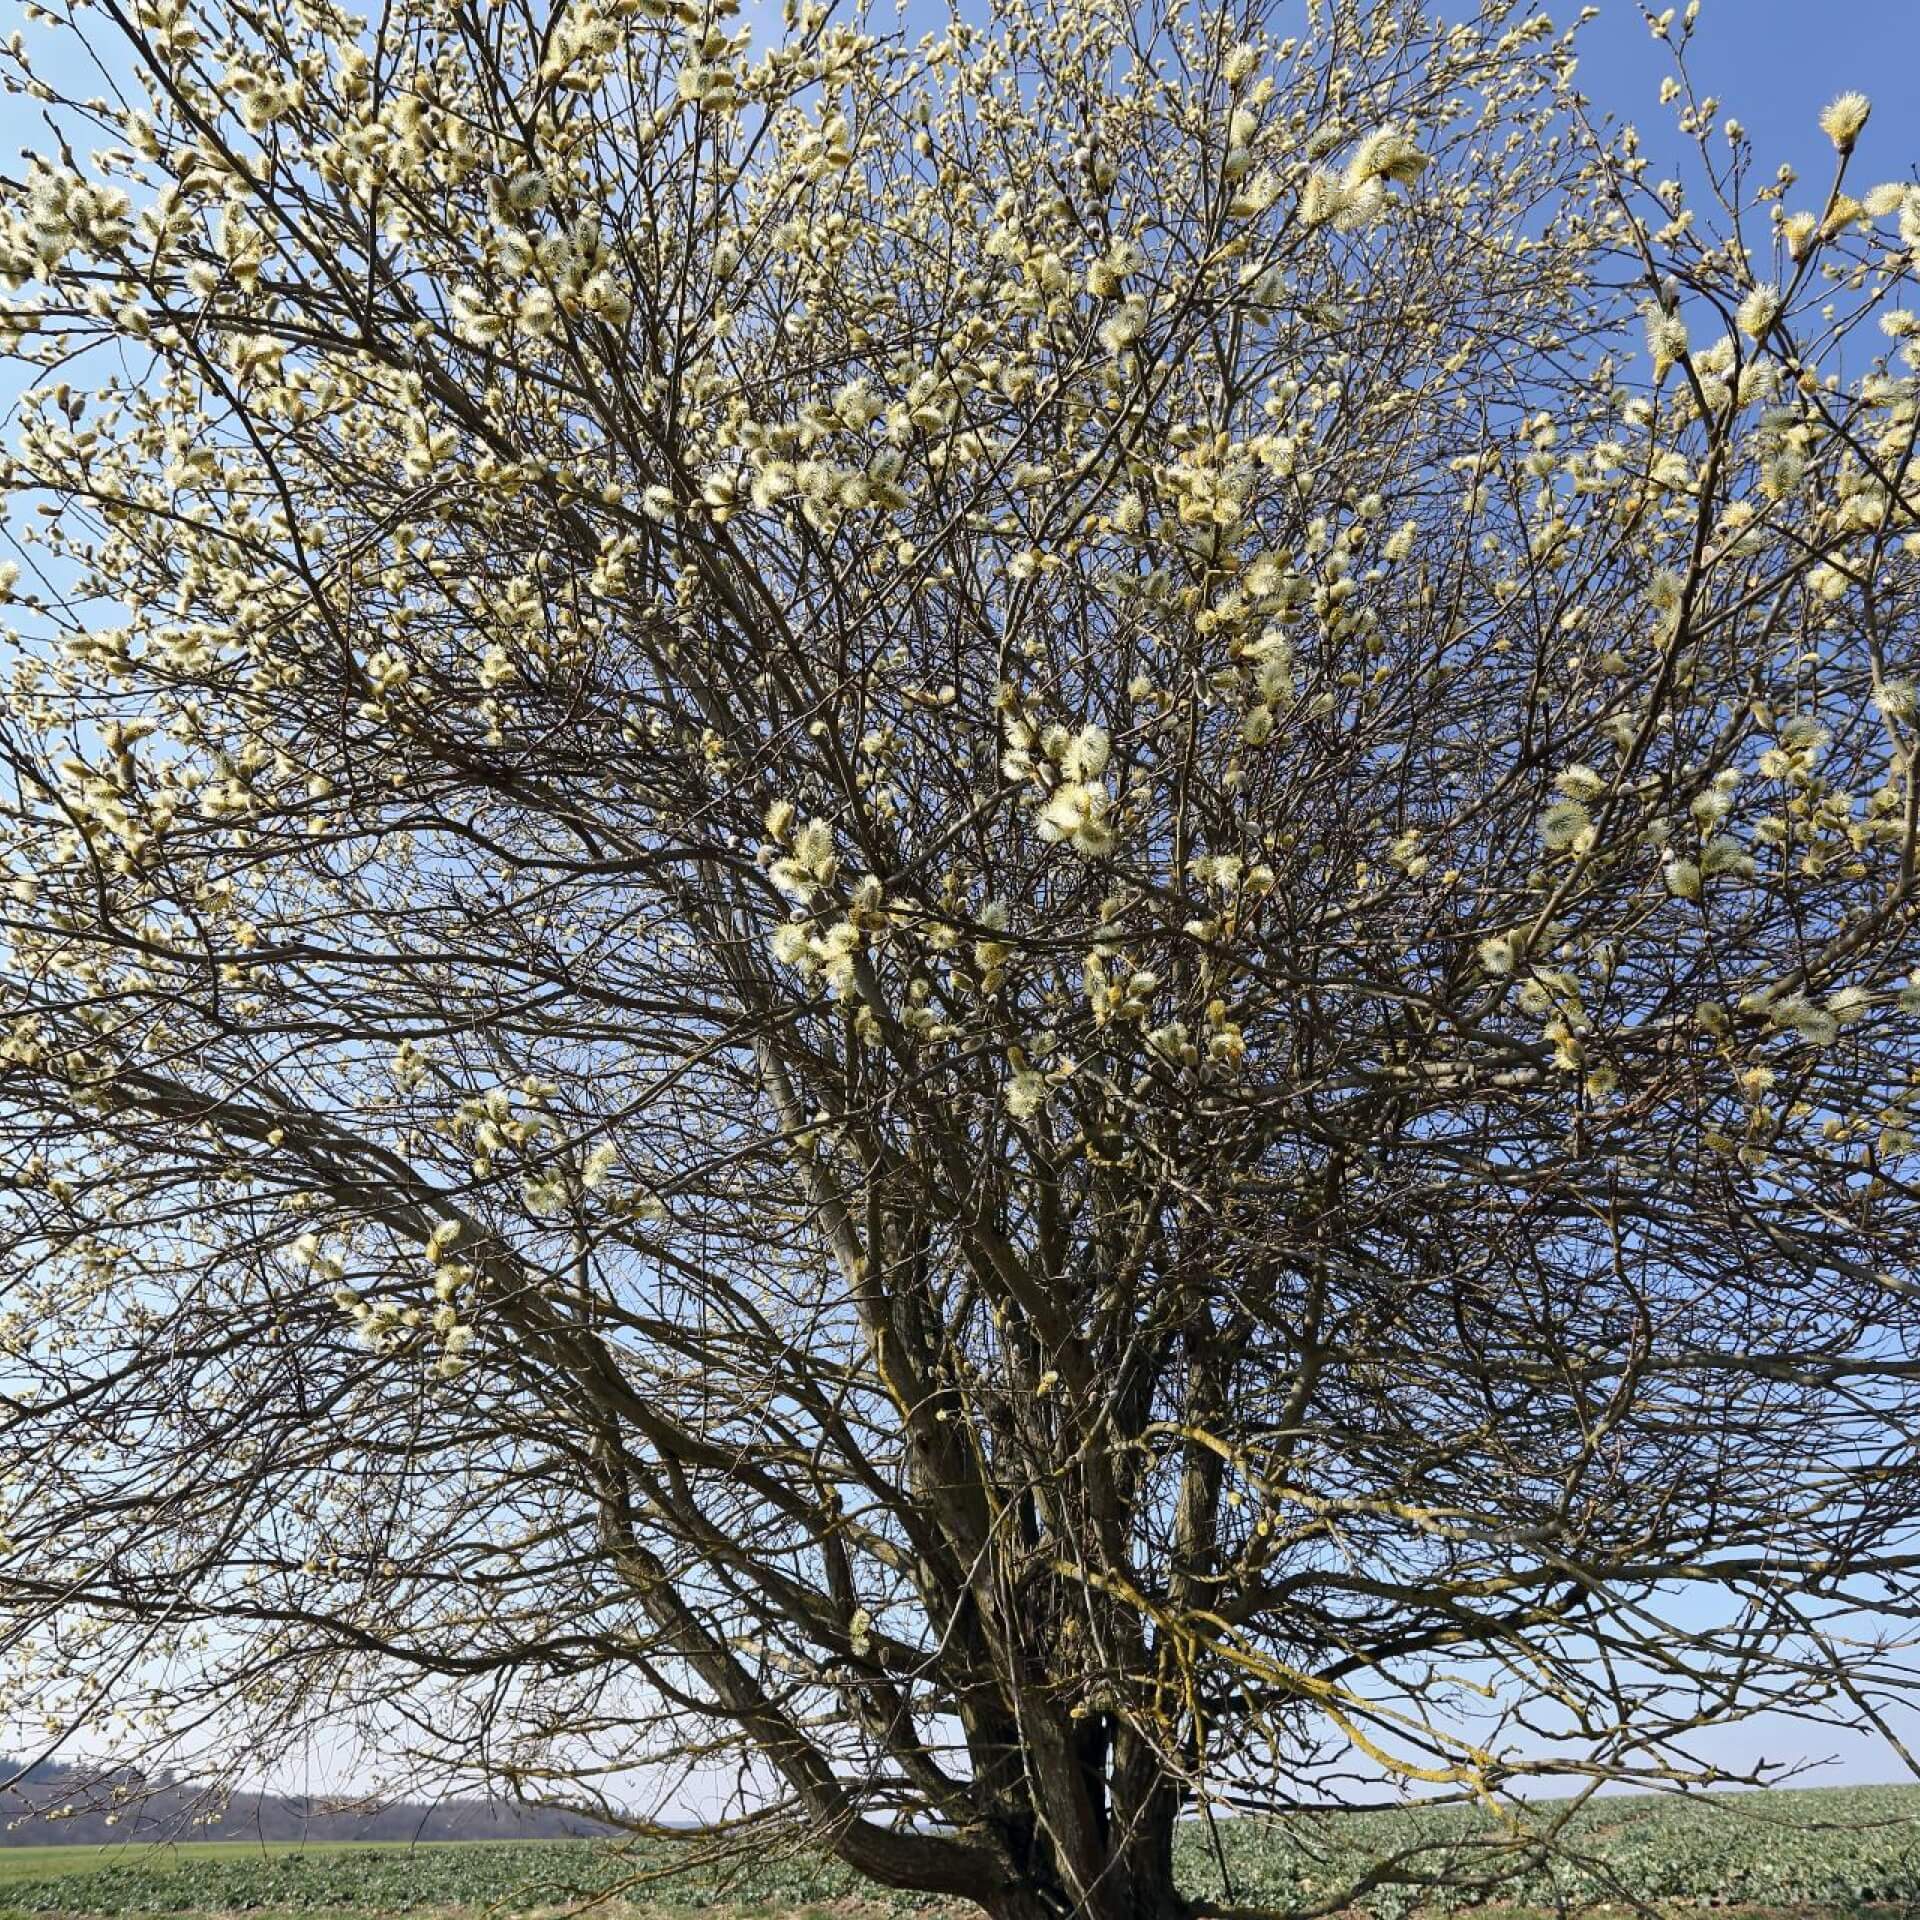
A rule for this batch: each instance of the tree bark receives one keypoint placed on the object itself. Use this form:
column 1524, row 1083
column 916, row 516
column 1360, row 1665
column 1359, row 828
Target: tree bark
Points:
column 1135, row 1882
column 1123, row 1893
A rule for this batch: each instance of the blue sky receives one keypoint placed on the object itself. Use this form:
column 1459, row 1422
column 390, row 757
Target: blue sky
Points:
column 1773, row 64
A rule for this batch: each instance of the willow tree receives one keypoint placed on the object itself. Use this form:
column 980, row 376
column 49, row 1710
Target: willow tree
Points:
column 1016, row 915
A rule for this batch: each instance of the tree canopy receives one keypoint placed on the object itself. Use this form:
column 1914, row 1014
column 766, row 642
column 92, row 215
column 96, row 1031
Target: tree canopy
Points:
column 1014, row 917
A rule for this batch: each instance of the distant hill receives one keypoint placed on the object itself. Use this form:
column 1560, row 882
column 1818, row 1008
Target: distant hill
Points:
column 51, row 1803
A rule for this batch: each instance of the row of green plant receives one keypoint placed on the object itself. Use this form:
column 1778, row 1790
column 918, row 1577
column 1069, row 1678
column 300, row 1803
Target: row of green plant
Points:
column 1835, row 1848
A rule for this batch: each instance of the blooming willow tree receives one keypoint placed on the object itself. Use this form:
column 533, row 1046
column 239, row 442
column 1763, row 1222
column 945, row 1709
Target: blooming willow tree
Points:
column 1018, row 914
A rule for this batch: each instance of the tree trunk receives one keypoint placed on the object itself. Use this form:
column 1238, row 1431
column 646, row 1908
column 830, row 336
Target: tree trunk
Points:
column 1028, row 1903
column 1136, row 1883
column 1120, row 1896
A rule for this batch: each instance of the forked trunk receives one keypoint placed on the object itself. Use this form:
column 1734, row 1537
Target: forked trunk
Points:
column 1120, row 1897
column 1136, row 1883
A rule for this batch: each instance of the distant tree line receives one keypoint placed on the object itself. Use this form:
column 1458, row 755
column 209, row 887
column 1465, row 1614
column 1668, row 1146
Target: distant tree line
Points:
column 45, row 1803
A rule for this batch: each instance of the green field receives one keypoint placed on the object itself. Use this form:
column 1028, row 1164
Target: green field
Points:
column 1832, row 1851
column 49, row 1863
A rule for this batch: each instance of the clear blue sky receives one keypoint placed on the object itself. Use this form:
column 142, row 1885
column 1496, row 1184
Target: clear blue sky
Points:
column 1773, row 64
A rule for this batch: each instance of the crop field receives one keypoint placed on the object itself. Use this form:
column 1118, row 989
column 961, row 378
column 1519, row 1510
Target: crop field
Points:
column 1830, row 1851
column 34, row 1864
